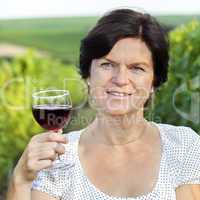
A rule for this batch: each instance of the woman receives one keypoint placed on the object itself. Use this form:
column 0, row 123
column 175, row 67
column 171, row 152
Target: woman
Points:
column 120, row 155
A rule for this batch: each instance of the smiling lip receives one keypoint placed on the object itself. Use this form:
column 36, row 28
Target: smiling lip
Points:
column 119, row 94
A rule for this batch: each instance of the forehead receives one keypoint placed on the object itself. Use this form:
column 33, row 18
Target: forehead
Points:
column 130, row 50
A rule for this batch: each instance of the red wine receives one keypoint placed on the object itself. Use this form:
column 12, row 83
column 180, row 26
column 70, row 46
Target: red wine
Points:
column 52, row 117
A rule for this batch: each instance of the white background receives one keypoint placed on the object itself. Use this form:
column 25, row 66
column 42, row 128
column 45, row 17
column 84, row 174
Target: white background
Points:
column 53, row 8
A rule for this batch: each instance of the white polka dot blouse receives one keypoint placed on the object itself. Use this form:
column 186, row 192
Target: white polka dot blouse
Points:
column 180, row 164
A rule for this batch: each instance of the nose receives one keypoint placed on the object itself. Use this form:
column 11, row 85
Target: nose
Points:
column 120, row 78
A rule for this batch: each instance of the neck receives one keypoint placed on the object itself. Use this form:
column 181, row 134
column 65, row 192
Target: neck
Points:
column 119, row 130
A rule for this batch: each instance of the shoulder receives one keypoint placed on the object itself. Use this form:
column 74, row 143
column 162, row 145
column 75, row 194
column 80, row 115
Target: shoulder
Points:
column 182, row 147
column 179, row 136
column 179, row 141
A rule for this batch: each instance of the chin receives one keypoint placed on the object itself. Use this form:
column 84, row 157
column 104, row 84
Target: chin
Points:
column 119, row 112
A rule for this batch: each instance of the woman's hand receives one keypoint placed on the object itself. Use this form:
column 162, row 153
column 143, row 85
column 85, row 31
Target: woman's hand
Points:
column 39, row 154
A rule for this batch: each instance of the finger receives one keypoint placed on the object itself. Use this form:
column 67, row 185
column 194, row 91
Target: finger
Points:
column 42, row 154
column 60, row 149
column 52, row 155
column 49, row 154
column 56, row 137
column 43, row 164
column 45, row 145
column 38, row 148
column 50, row 137
column 58, row 131
column 51, row 151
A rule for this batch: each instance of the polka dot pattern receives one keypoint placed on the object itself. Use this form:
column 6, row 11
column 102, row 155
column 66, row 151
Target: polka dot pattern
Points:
column 180, row 164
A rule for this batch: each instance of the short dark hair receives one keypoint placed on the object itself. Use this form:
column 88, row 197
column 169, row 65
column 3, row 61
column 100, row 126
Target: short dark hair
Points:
column 123, row 23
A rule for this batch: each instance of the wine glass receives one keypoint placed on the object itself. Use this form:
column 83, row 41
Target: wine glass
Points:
column 52, row 110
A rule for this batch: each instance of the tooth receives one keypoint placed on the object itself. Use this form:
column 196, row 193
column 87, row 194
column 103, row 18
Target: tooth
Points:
column 118, row 94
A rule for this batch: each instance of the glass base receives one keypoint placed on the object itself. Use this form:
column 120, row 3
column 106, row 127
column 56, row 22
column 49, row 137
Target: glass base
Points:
column 59, row 164
column 59, row 168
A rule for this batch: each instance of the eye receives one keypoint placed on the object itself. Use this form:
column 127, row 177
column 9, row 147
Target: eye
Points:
column 138, row 68
column 107, row 65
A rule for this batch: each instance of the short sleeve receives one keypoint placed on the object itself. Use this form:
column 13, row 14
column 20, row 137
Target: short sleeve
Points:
column 190, row 168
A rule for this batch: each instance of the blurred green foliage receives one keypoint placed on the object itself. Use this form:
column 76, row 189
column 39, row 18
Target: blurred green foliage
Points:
column 177, row 20
column 178, row 101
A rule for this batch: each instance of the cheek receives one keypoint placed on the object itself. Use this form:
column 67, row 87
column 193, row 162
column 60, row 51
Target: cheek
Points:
column 97, row 97
column 145, row 81
column 98, row 82
column 99, row 78
column 97, row 87
column 144, row 86
column 147, row 84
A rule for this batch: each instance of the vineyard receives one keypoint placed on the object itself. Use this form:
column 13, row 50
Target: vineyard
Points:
column 177, row 102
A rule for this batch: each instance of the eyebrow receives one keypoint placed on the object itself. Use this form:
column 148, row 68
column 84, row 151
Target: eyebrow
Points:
column 136, row 63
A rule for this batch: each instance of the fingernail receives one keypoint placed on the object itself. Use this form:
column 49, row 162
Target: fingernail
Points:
column 64, row 139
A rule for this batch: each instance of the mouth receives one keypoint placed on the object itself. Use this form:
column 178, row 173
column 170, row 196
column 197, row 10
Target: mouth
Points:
column 119, row 94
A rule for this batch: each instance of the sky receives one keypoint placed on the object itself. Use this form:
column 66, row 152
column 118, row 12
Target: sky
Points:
column 59, row 8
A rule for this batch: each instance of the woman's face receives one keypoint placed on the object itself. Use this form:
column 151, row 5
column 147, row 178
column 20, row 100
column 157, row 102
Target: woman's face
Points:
column 121, row 81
